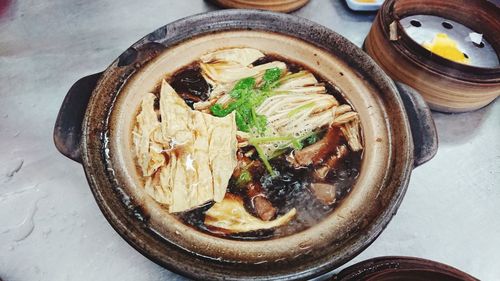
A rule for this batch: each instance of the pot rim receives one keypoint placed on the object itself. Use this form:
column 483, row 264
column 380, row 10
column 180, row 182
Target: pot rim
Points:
column 94, row 134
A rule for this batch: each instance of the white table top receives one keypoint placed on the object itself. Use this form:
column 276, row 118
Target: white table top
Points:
column 50, row 225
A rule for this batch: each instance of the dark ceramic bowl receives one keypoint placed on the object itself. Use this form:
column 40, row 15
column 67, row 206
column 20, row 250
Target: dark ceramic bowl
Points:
column 401, row 268
column 398, row 132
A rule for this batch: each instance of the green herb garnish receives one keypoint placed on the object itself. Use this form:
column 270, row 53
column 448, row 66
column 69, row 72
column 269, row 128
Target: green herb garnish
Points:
column 297, row 144
column 218, row 110
column 311, row 139
column 242, row 87
column 244, row 178
column 264, row 160
column 241, row 123
column 246, row 99
column 271, row 76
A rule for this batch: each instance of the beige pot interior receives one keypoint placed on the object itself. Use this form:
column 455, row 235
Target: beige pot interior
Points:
column 351, row 214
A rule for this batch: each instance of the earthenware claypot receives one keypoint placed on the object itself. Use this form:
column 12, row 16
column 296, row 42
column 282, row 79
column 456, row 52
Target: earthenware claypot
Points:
column 401, row 268
column 446, row 85
column 398, row 131
column 270, row 5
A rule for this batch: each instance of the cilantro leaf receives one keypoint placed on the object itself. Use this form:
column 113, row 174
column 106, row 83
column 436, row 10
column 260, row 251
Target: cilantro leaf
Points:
column 241, row 123
column 271, row 76
column 242, row 87
column 218, row 110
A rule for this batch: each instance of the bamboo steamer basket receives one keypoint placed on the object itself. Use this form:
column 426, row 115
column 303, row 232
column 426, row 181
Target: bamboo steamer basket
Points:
column 446, row 85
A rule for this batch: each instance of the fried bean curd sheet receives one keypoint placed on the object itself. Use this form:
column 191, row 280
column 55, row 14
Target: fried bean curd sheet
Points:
column 186, row 157
column 231, row 216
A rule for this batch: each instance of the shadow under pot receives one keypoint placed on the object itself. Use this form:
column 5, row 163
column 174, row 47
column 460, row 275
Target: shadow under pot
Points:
column 438, row 48
column 96, row 121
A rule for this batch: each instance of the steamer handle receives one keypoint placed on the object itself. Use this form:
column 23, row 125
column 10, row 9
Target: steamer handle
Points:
column 423, row 129
column 68, row 127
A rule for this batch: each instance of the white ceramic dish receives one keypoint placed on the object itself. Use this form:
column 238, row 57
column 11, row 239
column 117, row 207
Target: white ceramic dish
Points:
column 364, row 6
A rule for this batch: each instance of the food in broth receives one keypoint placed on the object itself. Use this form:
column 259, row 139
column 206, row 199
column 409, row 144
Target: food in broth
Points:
column 247, row 146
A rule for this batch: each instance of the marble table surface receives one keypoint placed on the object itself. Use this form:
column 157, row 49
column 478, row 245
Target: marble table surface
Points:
column 50, row 226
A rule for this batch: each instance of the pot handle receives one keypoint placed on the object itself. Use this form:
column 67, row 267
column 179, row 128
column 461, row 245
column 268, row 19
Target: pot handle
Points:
column 68, row 127
column 423, row 130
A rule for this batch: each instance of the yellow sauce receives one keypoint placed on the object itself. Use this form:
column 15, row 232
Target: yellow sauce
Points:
column 446, row 47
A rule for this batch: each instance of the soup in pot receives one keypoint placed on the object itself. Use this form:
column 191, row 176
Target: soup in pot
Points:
column 248, row 146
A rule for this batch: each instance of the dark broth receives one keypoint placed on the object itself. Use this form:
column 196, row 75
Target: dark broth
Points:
column 190, row 84
column 290, row 189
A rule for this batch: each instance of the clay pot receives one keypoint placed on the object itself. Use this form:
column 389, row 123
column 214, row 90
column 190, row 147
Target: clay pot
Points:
column 401, row 268
column 95, row 122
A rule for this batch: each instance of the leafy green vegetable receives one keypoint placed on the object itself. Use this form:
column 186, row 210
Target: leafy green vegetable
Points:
column 311, row 139
column 218, row 111
column 246, row 99
column 264, row 160
column 259, row 121
column 244, row 178
column 242, row 87
column 241, row 123
column 297, row 144
column 245, row 83
column 271, row 77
